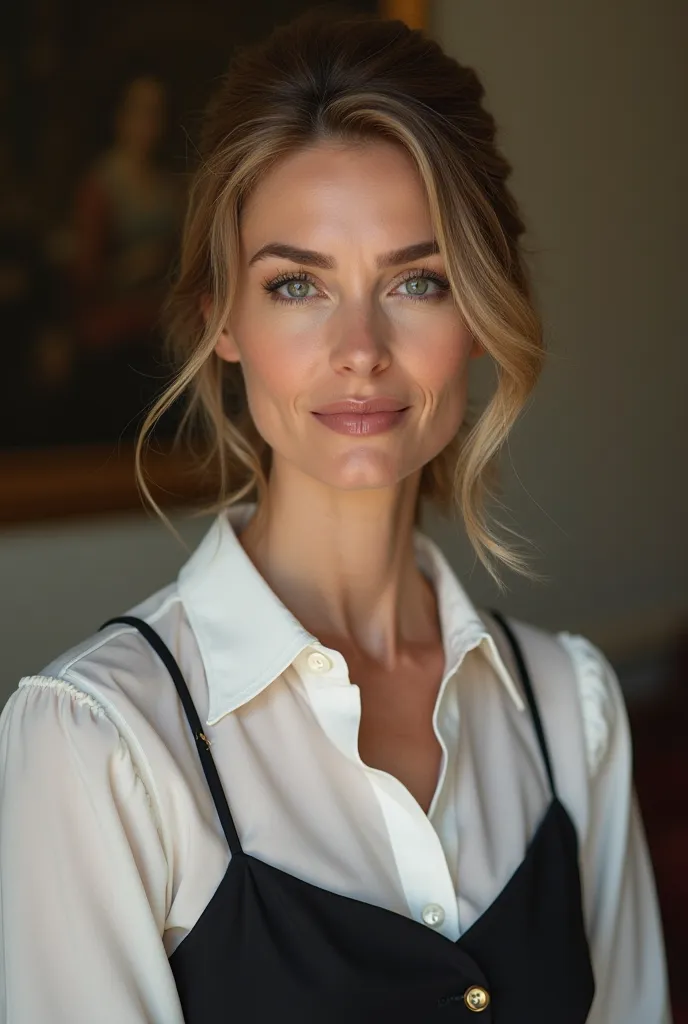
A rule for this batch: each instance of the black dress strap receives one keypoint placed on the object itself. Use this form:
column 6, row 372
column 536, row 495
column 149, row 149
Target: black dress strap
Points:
column 202, row 743
column 530, row 695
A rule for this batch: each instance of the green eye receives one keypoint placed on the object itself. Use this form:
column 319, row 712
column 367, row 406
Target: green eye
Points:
column 418, row 284
column 297, row 285
column 297, row 289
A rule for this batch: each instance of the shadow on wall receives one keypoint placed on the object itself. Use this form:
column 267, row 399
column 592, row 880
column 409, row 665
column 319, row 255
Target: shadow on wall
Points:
column 659, row 728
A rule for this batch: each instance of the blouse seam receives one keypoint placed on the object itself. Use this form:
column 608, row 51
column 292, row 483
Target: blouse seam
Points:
column 593, row 696
column 80, row 696
column 55, row 683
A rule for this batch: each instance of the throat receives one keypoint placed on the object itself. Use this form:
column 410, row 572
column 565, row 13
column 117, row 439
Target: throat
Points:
column 396, row 733
column 414, row 761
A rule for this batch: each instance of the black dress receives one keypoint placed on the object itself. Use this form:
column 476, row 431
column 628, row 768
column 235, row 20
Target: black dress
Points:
column 272, row 947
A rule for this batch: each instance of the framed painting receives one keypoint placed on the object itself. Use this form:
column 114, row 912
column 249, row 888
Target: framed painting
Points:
column 86, row 244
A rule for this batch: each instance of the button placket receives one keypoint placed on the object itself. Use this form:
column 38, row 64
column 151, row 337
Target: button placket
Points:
column 335, row 700
column 418, row 854
column 415, row 845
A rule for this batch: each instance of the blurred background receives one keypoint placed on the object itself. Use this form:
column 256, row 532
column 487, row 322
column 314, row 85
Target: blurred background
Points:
column 99, row 110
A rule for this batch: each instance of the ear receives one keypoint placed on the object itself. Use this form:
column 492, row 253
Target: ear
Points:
column 225, row 346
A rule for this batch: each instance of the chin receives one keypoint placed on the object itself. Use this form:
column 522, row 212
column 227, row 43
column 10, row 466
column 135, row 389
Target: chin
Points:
column 362, row 473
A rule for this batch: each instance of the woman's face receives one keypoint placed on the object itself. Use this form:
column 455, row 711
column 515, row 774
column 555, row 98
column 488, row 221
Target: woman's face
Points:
column 352, row 316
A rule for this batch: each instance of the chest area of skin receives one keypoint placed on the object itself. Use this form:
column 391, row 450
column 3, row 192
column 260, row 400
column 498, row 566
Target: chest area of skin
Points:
column 396, row 733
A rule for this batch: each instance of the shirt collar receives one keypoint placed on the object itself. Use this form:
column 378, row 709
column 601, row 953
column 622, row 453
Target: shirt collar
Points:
column 247, row 637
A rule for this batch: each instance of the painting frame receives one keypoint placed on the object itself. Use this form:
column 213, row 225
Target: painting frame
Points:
column 89, row 480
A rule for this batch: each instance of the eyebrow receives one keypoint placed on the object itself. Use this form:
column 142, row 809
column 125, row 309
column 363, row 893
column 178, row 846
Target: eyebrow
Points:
column 310, row 258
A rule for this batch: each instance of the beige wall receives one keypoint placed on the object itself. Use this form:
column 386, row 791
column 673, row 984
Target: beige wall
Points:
column 590, row 99
column 61, row 582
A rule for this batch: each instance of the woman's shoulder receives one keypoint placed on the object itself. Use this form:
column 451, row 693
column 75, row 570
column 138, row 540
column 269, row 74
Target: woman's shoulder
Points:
column 105, row 715
column 572, row 676
column 116, row 674
column 599, row 693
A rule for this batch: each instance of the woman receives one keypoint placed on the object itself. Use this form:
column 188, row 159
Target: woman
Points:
column 308, row 780
column 128, row 213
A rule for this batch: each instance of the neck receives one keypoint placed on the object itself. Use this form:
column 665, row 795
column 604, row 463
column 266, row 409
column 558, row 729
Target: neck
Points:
column 343, row 562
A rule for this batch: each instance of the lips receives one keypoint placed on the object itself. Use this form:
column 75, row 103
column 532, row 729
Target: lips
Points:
column 361, row 407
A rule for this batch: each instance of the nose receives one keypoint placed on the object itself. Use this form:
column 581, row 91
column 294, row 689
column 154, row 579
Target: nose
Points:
column 362, row 342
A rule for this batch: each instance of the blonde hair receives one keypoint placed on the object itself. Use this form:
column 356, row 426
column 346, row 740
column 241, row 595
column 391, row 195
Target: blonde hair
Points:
column 354, row 78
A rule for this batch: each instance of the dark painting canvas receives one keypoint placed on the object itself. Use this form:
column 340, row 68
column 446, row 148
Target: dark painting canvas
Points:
column 99, row 107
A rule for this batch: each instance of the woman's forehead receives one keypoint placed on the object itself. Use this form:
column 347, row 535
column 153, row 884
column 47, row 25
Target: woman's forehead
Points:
column 334, row 193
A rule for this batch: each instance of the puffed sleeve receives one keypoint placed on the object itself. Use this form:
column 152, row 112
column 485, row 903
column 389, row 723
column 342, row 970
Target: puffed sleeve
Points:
column 624, row 927
column 83, row 873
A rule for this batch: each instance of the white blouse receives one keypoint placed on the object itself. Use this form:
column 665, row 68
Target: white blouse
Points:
column 110, row 847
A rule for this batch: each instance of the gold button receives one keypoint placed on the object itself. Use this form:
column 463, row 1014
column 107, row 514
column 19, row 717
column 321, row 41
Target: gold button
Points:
column 476, row 998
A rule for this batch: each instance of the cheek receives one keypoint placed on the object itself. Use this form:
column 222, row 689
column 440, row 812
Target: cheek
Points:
column 442, row 367
column 276, row 371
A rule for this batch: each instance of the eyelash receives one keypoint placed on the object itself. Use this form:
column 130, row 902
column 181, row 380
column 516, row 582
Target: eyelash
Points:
column 272, row 285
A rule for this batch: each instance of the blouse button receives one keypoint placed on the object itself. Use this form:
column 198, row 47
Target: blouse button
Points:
column 476, row 998
column 318, row 662
column 433, row 914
